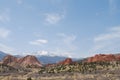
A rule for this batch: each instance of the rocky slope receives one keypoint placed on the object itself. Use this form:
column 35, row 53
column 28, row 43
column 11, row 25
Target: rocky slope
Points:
column 66, row 61
column 2, row 55
column 27, row 61
column 9, row 60
column 103, row 58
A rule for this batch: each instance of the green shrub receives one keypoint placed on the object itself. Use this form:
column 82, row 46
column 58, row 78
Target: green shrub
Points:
column 29, row 78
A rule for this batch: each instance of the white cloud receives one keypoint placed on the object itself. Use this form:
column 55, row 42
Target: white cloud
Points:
column 108, row 36
column 4, row 16
column 38, row 53
column 4, row 33
column 6, row 48
column 53, row 18
column 68, row 40
column 57, row 52
column 107, row 42
column 115, row 29
column 19, row 2
column 113, row 6
column 42, row 53
column 62, row 52
column 65, row 45
column 39, row 42
column 113, row 34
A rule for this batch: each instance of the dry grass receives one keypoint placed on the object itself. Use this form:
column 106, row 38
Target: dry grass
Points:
column 73, row 76
column 108, row 73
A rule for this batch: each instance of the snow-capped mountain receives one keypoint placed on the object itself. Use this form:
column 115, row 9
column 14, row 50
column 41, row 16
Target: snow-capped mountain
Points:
column 2, row 55
column 43, row 56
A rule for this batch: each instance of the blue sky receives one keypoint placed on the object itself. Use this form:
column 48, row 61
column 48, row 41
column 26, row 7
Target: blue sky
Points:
column 72, row 28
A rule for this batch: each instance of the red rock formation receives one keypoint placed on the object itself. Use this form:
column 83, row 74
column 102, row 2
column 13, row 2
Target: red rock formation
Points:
column 103, row 57
column 29, row 61
column 49, row 65
column 9, row 59
column 66, row 61
column 118, row 58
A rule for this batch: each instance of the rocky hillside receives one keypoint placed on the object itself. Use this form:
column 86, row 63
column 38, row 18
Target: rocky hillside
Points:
column 2, row 55
column 103, row 58
column 66, row 61
column 9, row 59
column 27, row 61
column 6, row 69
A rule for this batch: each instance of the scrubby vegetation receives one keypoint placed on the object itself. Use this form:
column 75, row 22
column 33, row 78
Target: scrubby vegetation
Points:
column 82, row 71
column 85, row 67
column 5, row 68
column 75, row 71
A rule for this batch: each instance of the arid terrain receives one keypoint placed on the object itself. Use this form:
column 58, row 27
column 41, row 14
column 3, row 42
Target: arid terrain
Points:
column 98, row 67
column 59, row 39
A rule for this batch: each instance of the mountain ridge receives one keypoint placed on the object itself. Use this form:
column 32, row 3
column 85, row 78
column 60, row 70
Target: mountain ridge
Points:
column 103, row 58
column 27, row 61
column 2, row 55
column 44, row 59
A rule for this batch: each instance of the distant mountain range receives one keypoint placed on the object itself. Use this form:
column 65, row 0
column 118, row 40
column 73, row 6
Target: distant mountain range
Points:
column 2, row 55
column 50, row 59
column 38, row 61
column 47, row 59
column 28, row 61
column 42, row 58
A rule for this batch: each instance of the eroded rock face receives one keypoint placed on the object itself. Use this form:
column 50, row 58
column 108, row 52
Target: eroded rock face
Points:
column 9, row 59
column 66, row 61
column 103, row 57
column 30, row 61
column 27, row 61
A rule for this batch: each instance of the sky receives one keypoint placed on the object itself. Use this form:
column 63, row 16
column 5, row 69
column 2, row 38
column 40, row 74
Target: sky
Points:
column 71, row 28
